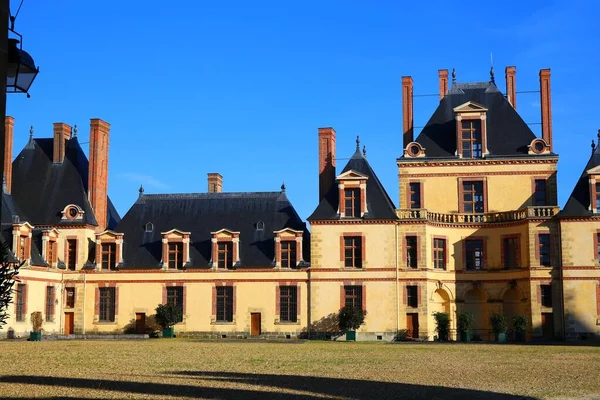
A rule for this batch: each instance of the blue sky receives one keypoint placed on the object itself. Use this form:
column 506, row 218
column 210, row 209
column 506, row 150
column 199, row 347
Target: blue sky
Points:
column 241, row 88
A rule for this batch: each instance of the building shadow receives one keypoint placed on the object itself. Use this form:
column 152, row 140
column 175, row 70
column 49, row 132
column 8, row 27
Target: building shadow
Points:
column 280, row 386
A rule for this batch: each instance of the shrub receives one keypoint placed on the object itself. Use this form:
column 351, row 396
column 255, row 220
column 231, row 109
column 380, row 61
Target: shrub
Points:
column 442, row 325
column 351, row 318
column 465, row 322
column 498, row 323
column 167, row 315
column 36, row 321
column 519, row 323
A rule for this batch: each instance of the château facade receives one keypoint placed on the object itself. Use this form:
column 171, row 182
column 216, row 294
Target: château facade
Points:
column 477, row 228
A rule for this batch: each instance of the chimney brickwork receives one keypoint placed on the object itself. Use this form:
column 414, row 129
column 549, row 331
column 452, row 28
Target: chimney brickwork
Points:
column 407, row 109
column 443, row 77
column 215, row 182
column 62, row 133
column 546, row 106
column 326, row 160
column 98, row 170
column 511, row 85
column 9, row 125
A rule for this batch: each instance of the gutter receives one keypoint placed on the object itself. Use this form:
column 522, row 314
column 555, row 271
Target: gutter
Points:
column 397, row 285
column 84, row 298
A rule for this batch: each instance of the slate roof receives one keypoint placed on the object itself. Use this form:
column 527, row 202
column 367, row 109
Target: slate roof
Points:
column 579, row 202
column 379, row 204
column 507, row 133
column 203, row 213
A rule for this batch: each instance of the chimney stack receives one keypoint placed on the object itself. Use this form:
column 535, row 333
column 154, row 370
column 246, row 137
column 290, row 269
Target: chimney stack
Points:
column 407, row 109
column 9, row 124
column 511, row 85
column 443, row 76
column 215, row 182
column 326, row 160
column 98, row 170
column 546, row 106
column 62, row 133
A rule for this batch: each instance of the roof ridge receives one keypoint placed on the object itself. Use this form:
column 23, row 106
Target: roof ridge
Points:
column 206, row 194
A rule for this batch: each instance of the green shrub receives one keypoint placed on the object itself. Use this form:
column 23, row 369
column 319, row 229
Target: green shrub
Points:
column 519, row 323
column 465, row 322
column 351, row 318
column 167, row 315
column 442, row 325
column 498, row 323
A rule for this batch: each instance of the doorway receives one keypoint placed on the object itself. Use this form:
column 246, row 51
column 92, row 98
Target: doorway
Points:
column 140, row 323
column 255, row 324
column 548, row 326
column 412, row 325
column 69, row 323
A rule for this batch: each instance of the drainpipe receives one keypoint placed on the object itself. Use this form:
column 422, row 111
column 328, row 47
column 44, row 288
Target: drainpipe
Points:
column 62, row 295
column 562, row 285
column 84, row 296
column 397, row 284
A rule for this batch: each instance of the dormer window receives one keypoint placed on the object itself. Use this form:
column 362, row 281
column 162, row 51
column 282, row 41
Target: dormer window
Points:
column 288, row 248
column 22, row 240
column 72, row 212
column 288, row 254
column 352, row 203
column 175, row 259
column 470, row 139
column 225, row 249
column 225, row 254
column 538, row 146
column 471, row 130
column 176, row 249
column 149, row 227
column 109, row 250
column 414, row 149
column 260, row 226
column 50, row 246
column 352, row 187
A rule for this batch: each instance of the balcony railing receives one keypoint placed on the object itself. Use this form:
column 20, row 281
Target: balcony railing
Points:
column 490, row 217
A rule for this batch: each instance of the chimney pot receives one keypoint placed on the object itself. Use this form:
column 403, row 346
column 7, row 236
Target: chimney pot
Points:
column 407, row 109
column 511, row 85
column 62, row 133
column 215, row 182
column 443, row 77
column 9, row 124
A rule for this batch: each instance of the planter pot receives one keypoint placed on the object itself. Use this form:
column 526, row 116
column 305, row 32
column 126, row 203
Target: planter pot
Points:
column 35, row 336
column 443, row 337
column 501, row 337
column 465, row 336
column 351, row 336
column 519, row 336
column 169, row 332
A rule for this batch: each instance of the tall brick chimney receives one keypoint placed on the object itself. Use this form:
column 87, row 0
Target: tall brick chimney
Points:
column 326, row 160
column 62, row 133
column 511, row 85
column 546, row 106
column 9, row 126
column 443, row 76
column 98, row 170
column 215, row 182
column 407, row 109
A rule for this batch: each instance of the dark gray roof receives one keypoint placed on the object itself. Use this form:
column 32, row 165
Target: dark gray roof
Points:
column 9, row 212
column 42, row 189
column 507, row 133
column 203, row 213
column 579, row 202
column 379, row 204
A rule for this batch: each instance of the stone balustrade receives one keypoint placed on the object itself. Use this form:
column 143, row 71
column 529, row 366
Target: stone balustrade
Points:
column 490, row 217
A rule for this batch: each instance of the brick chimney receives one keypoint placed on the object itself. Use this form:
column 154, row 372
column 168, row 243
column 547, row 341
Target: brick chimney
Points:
column 326, row 160
column 215, row 182
column 546, row 107
column 98, row 170
column 443, row 76
column 407, row 109
column 511, row 85
column 9, row 125
column 62, row 133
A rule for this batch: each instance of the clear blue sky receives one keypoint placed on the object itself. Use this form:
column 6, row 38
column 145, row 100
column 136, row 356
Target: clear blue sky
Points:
column 240, row 88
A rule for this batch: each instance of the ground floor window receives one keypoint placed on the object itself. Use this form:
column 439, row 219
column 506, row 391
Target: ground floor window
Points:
column 107, row 305
column 288, row 303
column 225, row 304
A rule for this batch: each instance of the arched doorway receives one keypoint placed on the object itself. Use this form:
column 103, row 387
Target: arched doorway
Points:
column 511, row 305
column 476, row 304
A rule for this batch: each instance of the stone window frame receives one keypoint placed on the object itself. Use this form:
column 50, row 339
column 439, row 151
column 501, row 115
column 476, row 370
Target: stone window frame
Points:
column 288, row 235
column 467, row 112
column 24, row 231
column 109, row 237
column 224, row 235
column 50, row 242
column 175, row 236
column 352, row 180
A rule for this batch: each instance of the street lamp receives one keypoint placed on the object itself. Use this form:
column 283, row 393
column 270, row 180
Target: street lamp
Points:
column 20, row 70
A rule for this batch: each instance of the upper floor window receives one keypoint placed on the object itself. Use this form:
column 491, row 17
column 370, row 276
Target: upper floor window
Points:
column 546, row 295
column 415, row 195
column 544, row 249
column 352, row 193
column 71, row 254
column 352, row 203
column 471, row 144
column 225, row 249
column 411, row 251
column 51, row 251
column 23, row 247
column 225, row 254
column 352, row 251
column 439, row 253
column 109, row 251
column 175, row 255
column 176, row 249
column 539, row 195
column 288, row 253
column 510, row 251
column 412, row 296
column 597, row 195
column 473, row 200
column 474, row 254
column 597, row 247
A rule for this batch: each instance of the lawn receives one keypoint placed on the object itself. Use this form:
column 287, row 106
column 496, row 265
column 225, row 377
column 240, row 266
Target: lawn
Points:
column 185, row 369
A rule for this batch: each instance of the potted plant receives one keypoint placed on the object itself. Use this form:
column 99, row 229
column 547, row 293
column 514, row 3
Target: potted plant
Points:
column 36, row 324
column 465, row 325
column 499, row 327
column 168, row 315
column 519, row 326
column 442, row 325
column 349, row 320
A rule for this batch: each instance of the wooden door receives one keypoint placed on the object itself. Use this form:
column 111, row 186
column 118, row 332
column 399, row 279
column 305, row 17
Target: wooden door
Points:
column 140, row 323
column 255, row 324
column 548, row 326
column 69, row 323
column 412, row 325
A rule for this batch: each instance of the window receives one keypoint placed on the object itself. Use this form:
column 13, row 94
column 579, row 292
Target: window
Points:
column 288, row 254
column 470, row 138
column 598, row 247
column 51, row 251
column 352, row 203
column 539, row 194
column 546, row 295
column 260, row 226
column 474, row 254
column 175, row 297
column 597, row 197
column 225, row 303
column 411, row 252
column 412, row 296
column 20, row 303
column 22, row 247
column 439, row 253
column 472, row 197
column 353, row 252
column 288, row 303
column 353, row 296
column 71, row 254
column 50, row 297
column 510, row 252
column 225, row 254
column 175, row 255
column 544, row 249
column 415, row 194
column 149, row 227
column 107, row 304
column 70, row 293
column 109, row 251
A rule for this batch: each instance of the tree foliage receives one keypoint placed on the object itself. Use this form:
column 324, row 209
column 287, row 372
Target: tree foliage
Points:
column 168, row 315
column 351, row 318
column 498, row 323
column 465, row 322
column 9, row 268
column 442, row 325
column 519, row 323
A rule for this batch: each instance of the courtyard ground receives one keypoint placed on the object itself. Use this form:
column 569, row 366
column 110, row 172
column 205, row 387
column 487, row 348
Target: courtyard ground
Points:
column 185, row 369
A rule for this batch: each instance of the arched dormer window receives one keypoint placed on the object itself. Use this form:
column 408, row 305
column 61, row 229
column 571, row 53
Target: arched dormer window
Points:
column 225, row 249
column 352, row 187
column 176, row 249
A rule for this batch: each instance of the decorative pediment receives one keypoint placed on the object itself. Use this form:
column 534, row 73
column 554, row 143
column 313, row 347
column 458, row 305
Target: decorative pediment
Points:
column 225, row 233
column 50, row 232
column 593, row 171
column 72, row 212
column 352, row 175
column 108, row 235
column 470, row 106
column 23, row 226
column 287, row 233
column 175, row 233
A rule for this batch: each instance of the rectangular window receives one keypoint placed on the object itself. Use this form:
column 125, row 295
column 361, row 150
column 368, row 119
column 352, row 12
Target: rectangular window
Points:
column 597, row 197
column 474, row 254
column 411, row 252
column 175, row 255
column 412, row 296
column 50, row 297
column 20, row 303
column 353, row 252
column 70, row 300
column 439, row 253
column 353, row 296
column 352, row 203
column 546, row 295
column 472, row 197
column 51, row 251
column 415, row 194
column 225, row 254
column 107, row 304
column 288, row 303
column 470, row 138
column 175, row 297
column 539, row 195
column 510, row 252
column 71, row 254
column 598, row 247
column 224, row 303
column 22, row 247
column 288, row 254
column 109, row 251
column 544, row 249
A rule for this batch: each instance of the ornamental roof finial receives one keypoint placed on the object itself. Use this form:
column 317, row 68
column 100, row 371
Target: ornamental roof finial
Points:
column 31, row 133
column 283, row 187
column 141, row 190
column 75, row 130
column 365, row 151
column 453, row 75
column 357, row 143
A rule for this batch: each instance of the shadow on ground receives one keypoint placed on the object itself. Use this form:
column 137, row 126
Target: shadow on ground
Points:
column 279, row 385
